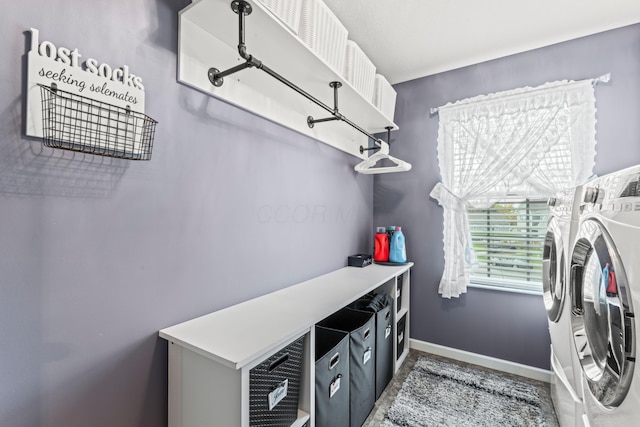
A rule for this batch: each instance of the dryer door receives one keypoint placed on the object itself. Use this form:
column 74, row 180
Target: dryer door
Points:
column 553, row 270
column 602, row 316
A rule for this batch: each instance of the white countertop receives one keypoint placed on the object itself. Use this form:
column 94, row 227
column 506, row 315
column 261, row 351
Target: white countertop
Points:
column 239, row 334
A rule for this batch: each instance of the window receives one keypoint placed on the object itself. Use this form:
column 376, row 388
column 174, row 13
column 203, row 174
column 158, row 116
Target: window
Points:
column 532, row 142
column 508, row 239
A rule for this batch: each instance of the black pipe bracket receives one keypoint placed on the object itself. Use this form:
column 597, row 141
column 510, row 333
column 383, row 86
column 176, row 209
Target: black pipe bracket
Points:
column 378, row 141
column 335, row 115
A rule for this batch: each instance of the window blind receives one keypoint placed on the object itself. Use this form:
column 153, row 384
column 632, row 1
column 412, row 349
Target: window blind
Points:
column 508, row 239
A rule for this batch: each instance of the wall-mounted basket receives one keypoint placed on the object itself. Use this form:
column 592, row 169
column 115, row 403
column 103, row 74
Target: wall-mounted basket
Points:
column 75, row 122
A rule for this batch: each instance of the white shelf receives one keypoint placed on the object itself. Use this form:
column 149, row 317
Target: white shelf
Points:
column 401, row 313
column 216, row 335
column 208, row 37
column 303, row 417
column 402, row 357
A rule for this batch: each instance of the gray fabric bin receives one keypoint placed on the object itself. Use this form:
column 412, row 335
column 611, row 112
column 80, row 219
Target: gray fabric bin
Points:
column 332, row 378
column 362, row 370
column 402, row 335
column 384, row 338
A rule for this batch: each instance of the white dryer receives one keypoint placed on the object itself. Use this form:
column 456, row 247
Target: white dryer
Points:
column 605, row 292
column 561, row 228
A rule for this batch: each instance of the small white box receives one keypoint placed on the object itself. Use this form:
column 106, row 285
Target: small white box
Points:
column 288, row 11
column 323, row 33
column 359, row 70
column 384, row 97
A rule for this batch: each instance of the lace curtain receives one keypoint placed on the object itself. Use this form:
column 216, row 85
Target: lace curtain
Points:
column 529, row 142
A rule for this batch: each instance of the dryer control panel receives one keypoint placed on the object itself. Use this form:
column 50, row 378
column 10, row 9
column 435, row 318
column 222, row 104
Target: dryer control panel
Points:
column 632, row 186
column 618, row 192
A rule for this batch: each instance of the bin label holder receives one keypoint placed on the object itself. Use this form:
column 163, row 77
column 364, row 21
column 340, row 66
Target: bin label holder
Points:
column 279, row 393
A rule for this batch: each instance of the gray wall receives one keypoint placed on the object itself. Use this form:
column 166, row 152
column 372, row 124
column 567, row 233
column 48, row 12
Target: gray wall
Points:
column 98, row 254
column 499, row 324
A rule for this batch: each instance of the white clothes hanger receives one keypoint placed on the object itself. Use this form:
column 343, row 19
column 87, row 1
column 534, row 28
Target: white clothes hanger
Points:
column 367, row 166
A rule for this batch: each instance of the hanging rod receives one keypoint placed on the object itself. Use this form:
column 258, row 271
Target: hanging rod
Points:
column 242, row 8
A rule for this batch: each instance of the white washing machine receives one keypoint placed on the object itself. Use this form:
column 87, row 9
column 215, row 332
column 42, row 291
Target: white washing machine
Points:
column 605, row 292
column 561, row 229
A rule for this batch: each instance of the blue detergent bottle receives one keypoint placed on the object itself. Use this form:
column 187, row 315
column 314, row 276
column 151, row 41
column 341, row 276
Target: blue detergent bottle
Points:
column 397, row 253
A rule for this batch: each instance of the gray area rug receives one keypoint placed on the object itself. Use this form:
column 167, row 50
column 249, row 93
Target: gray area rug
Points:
column 438, row 393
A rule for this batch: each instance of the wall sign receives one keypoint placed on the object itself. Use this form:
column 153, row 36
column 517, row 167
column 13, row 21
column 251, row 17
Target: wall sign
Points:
column 69, row 70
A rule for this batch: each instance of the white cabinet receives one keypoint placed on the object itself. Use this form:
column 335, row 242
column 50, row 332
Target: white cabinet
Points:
column 210, row 357
column 208, row 37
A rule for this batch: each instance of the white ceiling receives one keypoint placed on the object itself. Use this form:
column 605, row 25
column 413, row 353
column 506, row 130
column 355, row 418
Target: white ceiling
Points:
column 407, row 39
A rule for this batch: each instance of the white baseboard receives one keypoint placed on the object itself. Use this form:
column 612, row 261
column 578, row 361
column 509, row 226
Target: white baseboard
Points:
column 480, row 360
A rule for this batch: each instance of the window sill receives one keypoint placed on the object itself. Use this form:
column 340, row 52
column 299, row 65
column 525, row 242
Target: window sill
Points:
column 505, row 289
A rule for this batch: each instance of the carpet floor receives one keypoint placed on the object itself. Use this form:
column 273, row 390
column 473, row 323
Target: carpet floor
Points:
column 431, row 390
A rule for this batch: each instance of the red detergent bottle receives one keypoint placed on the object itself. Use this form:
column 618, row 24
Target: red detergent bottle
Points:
column 381, row 246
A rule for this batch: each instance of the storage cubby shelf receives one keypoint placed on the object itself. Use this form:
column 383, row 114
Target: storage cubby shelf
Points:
column 208, row 37
column 212, row 356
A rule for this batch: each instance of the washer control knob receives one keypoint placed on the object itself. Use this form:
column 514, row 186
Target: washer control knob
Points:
column 591, row 195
